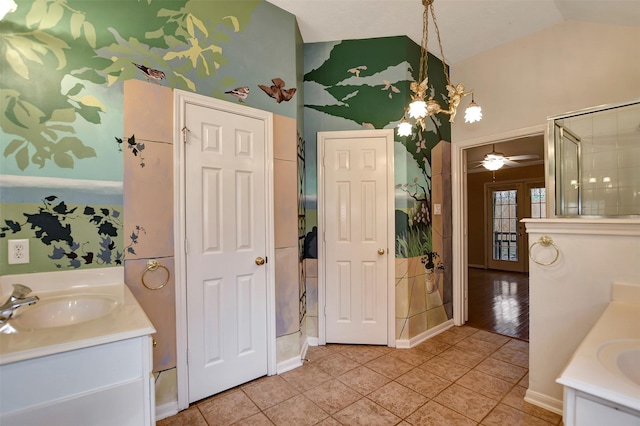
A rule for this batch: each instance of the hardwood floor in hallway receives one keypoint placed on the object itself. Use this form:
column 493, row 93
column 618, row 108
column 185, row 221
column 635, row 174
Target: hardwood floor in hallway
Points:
column 499, row 302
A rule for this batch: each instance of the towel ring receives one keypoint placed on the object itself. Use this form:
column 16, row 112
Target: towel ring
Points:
column 152, row 265
column 544, row 241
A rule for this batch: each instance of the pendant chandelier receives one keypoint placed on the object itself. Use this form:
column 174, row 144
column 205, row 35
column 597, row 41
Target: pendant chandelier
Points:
column 421, row 107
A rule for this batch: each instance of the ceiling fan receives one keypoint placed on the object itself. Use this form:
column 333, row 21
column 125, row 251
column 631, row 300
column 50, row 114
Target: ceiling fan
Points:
column 495, row 160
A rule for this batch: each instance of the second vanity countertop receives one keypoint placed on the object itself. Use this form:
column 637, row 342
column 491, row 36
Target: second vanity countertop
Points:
column 125, row 320
column 593, row 368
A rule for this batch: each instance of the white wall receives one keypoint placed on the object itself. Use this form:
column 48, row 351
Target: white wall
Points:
column 567, row 297
column 570, row 66
column 567, row 67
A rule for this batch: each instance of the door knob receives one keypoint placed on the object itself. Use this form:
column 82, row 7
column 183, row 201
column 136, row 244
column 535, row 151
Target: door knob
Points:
column 380, row 251
column 259, row 261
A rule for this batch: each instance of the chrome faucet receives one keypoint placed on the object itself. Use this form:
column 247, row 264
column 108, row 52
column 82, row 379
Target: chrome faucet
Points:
column 18, row 298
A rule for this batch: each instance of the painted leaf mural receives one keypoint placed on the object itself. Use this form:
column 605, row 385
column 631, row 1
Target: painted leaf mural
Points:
column 183, row 40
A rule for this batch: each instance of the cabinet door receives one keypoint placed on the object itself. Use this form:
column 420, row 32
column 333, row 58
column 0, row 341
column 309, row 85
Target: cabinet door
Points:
column 591, row 413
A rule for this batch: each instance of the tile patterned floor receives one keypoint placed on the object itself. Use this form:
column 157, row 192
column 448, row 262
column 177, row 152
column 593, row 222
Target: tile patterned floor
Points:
column 463, row 376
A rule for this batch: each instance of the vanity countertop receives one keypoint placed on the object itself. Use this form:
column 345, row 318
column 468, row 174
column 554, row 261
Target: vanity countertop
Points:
column 593, row 367
column 126, row 320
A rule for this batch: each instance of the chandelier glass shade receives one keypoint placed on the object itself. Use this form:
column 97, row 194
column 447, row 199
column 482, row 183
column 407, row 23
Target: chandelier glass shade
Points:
column 421, row 106
column 404, row 128
column 7, row 6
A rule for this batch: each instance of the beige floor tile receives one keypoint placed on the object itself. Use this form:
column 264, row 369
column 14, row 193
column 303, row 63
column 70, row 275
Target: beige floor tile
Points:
column 423, row 382
column 336, row 364
column 512, row 356
column 515, row 399
column 296, row 411
column 361, row 354
column 366, row 413
column 332, row 396
column 228, row 408
column 189, row 417
column 476, row 345
column 338, row 385
column 502, row 370
column 256, row 420
column 434, row 414
column 449, row 337
column 363, row 380
column 490, row 337
column 413, row 356
column 463, row 357
column 505, row 415
column 398, row 399
column 269, row 391
column 389, row 366
column 306, row 377
column 518, row 345
column 484, row 384
column 314, row 353
column 465, row 401
column 445, row 369
column 434, row 347
column 329, row 421
column 464, row 330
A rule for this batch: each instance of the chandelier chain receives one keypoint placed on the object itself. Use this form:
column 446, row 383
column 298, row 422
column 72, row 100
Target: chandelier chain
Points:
column 424, row 63
column 444, row 61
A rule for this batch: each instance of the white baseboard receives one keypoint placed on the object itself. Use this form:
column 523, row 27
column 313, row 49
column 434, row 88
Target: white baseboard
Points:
column 303, row 352
column 548, row 403
column 166, row 410
column 416, row 340
column 288, row 365
column 312, row 341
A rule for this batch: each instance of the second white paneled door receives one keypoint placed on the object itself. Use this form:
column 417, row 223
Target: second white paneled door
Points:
column 355, row 223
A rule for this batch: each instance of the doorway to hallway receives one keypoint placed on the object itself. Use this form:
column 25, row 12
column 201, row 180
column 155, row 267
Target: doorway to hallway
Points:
column 499, row 302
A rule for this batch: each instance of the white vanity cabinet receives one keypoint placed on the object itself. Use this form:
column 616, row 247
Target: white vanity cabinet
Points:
column 582, row 409
column 95, row 369
column 102, row 385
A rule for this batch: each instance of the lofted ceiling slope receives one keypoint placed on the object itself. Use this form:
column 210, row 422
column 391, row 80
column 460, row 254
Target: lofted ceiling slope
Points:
column 467, row 27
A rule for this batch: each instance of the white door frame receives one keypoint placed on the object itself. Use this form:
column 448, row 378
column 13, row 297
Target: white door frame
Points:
column 181, row 99
column 460, row 234
column 391, row 251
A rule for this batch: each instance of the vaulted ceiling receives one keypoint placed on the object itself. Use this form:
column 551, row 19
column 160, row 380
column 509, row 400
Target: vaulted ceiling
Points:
column 467, row 27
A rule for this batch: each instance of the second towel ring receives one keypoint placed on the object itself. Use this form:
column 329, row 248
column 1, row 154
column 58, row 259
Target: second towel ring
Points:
column 152, row 265
column 544, row 241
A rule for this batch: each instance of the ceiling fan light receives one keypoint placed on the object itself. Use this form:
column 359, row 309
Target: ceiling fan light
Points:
column 418, row 109
column 404, row 128
column 493, row 162
column 473, row 113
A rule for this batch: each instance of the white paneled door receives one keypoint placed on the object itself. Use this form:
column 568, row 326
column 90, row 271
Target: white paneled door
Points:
column 356, row 243
column 226, row 227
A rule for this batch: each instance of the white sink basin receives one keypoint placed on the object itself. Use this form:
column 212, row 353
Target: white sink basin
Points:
column 622, row 357
column 64, row 310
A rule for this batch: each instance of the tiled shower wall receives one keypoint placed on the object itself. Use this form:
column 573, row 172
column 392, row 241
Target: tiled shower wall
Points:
column 610, row 163
column 148, row 212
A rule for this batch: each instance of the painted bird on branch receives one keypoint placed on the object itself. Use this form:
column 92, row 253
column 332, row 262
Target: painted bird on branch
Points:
column 150, row 72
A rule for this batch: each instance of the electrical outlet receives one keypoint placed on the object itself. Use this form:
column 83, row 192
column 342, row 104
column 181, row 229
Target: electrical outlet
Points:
column 18, row 251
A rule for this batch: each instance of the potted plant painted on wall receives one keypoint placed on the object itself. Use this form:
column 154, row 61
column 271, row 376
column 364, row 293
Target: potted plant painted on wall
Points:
column 434, row 268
